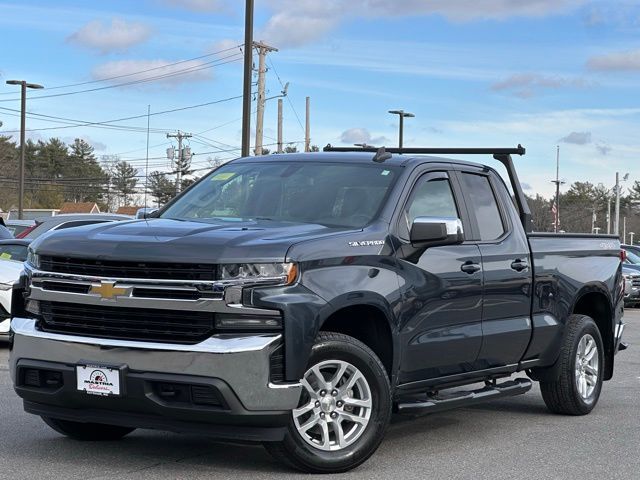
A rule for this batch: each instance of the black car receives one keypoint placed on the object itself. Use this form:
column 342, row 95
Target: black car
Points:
column 298, row 300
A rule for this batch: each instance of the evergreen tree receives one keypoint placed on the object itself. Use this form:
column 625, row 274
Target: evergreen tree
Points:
column 124, row 181
column 161, row 188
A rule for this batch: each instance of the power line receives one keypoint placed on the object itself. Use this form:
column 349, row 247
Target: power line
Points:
column 115, row 77
column 288, row 99
column 203, row 66
column 134, row 117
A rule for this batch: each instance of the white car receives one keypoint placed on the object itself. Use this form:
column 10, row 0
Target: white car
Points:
column 12, row 254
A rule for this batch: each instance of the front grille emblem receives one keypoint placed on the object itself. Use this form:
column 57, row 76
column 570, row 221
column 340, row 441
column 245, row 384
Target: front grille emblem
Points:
column 109, row 291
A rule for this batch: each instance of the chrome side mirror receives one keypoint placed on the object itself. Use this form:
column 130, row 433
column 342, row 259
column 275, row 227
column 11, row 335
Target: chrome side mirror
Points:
column 436, row 231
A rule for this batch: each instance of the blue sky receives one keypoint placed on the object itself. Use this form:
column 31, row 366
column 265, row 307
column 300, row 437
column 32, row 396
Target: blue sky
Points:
column 474, row 72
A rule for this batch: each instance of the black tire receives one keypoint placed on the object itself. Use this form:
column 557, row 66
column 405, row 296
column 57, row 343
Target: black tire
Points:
column 297, row 453
column 562, row 396
column 88, row 432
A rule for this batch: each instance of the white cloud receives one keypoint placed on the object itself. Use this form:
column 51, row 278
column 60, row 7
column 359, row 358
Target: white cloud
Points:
column 297, row 22
column 198, row 5
column 161, row 71
column 526, row 85
column 115, row 37
column 616, row 61
column 97, row 146
column 577, row 138
column 362, row 135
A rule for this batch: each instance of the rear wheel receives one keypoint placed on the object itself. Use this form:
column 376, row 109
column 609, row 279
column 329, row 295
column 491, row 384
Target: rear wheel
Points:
column 577, row 389
column 343, row 411
column 94, row 432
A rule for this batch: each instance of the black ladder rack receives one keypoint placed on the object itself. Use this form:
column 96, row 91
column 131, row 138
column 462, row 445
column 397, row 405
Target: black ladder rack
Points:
column 503, row 155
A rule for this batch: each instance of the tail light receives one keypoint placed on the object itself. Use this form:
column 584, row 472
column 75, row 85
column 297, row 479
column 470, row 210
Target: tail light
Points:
column 623, row 255
column 26, row 231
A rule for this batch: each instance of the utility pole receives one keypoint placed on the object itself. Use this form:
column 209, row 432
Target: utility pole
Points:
column 23, row 112
column 248, row 70
column 279, row 125
column 631, row 234
column 263, row 49
column 608, row 214
column 593, row 219
column 402, row 114
column 184, row 155
column 624, row 229
column 307, row 130
column 557, row 181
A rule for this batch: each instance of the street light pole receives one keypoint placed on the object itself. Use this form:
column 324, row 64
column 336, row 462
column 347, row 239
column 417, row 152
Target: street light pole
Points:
column 402, row 114
column 23, row 112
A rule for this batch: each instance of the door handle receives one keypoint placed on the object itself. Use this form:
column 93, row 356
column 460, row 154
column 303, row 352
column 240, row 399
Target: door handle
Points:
column 470, row 267
column 519, row 265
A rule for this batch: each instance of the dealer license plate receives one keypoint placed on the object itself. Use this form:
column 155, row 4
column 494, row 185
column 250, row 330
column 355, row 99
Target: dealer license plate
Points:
column 97, row 380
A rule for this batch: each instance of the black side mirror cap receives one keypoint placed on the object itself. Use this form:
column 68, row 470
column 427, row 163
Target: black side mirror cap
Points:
column 436, row 231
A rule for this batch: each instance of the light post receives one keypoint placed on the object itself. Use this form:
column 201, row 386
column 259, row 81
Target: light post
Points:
column 616, row 221
column 402, row 114
column 23, row 110
column 631, row 234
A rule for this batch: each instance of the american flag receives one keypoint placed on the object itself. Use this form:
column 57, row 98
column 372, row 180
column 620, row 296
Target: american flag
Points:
column 554, row 212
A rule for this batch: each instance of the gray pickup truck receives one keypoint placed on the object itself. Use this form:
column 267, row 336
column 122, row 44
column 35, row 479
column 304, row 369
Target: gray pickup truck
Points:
column 298, row 300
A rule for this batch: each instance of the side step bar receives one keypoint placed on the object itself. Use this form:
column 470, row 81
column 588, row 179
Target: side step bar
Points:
column 444, row 401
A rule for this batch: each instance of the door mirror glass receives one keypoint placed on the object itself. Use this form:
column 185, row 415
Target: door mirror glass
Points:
column 436, row 231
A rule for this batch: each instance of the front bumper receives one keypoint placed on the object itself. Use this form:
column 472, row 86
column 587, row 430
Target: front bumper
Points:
column 234, row 366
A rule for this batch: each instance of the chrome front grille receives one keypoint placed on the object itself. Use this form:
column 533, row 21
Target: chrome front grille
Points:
column 142, row 309
column 635, row 281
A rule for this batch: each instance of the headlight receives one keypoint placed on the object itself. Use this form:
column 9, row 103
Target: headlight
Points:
column 282, row 273
column 33, row 259
column 5, row 286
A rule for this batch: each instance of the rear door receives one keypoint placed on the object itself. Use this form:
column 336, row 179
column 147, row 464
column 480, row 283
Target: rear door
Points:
column 506, row 263
column 440, row 325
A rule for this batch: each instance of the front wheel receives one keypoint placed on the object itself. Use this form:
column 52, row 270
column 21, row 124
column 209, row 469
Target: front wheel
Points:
column 581, row 365
column 93, row 432
column 344, row 408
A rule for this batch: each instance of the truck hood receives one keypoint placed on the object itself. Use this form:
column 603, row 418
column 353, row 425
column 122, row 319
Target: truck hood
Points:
column 168, row 240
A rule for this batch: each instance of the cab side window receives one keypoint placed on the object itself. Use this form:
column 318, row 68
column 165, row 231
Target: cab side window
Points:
column 431, row 197
column 484, row 206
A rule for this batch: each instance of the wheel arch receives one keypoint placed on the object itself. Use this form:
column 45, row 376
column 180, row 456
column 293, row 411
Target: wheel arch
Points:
column 370, row 322
column 594, row 301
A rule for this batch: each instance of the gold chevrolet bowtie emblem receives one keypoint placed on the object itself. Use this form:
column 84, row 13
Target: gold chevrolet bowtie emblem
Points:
column 108, row 290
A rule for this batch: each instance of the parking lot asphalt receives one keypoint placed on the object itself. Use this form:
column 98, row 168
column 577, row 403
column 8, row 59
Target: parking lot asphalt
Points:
column 505, row 439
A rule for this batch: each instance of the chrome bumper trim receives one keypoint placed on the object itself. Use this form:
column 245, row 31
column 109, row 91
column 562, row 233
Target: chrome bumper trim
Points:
column 201, row 305
column 242, row 361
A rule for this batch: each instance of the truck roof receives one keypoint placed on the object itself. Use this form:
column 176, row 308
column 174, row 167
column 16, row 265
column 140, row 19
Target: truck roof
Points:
column 354, row 157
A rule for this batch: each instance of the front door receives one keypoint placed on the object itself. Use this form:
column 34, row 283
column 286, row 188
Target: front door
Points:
column 440, row 326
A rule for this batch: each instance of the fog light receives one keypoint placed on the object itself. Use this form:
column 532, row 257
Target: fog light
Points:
column 33, row 307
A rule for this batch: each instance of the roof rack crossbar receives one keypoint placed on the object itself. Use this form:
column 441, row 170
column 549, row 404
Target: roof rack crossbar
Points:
column 519, row 150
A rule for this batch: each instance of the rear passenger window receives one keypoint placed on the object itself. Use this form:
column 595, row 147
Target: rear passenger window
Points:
column 483, row 206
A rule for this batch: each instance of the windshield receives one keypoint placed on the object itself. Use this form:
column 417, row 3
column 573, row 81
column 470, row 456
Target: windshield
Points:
column 13, row 252
column 331, row 194
column 633, row 258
